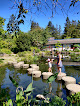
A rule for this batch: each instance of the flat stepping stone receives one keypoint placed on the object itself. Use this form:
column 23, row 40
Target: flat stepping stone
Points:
column 60, row 75
column 21, row 63
column 46, row 75
column 30, row 70
column 10, row 62
column 15, row 62
column 73, row 88
column 17, row 65
column 35, row 67
column 25, row 66
column 32, row 65
column 36, row 74
column 68, row 80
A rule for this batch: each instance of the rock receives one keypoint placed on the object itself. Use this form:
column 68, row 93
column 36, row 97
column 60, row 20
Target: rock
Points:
column 36, row 74
column 68, row 80
column 46, row 75
column 39, row 96
column 21, row 63
column 13, row 63
column 30, row 70
column 73, row 88
column 10, row 62
column 25, row 66
column 60, row 75
column 34, row 66
column 17, row 65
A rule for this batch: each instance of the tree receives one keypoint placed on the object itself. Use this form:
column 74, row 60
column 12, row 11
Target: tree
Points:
column 23, row 42
column 12, row 25
column 34, row 25
column 52, row 30
column 2, row 20
column 38, row 6
column 59, row 30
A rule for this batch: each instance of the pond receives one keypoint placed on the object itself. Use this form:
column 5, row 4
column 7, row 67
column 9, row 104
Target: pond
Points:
column 7, row 89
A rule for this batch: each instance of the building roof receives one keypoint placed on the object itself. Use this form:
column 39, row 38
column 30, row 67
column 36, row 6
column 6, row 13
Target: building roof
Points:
column 63, row 41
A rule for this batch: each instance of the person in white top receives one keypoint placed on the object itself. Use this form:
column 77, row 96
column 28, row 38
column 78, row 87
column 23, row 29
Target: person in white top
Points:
column 50, row 64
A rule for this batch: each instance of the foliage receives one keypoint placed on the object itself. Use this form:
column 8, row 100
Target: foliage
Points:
column 75, row 57
column 34, row 25
column 76, row 45
column 1, row 61
column 13, row 81
column 52, row 77
column 58, row 45
column 56, row 101
column 71, row 29
column 37, row 50
column 52, row 30
column 77, row 50
column 2, row 20
column 23, row 42
column 21, row 96
column 5, row 50
column 39, row 37
column 74, row 99
column 47, row 53
column 12, row 25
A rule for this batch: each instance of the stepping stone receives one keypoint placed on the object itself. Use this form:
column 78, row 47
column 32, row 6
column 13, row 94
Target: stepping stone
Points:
column 68, row 80
column 46, row 75
column 10, row 62
column 30, row 70
column 17, row 65
column 25, row 66
column 35, row 67
column 15, row 62
column 60, row 75
column 21, row 63
column 73, row 88
column 32, row 65
column 36, row 74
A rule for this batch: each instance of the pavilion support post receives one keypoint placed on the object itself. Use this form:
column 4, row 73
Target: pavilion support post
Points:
column 62, row 47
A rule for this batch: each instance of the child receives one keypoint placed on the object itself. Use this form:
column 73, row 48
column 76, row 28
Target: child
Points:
column 49, row 64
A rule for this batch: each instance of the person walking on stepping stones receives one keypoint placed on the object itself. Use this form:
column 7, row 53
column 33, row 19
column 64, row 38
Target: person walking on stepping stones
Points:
column 59, row 62
column 49, row 64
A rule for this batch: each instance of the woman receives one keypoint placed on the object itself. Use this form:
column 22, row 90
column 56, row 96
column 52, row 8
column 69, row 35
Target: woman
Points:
column 59, row 62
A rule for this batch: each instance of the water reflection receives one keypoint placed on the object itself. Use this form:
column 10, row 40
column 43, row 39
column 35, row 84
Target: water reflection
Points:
column 41, row 86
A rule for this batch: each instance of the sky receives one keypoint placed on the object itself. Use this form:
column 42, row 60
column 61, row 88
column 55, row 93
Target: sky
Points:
column 42, row 17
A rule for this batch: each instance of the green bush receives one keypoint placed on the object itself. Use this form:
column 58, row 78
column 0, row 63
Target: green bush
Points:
column 23, row 42
column 5, row 50
column 47, row 53
column 37, row 50
column 77, row 50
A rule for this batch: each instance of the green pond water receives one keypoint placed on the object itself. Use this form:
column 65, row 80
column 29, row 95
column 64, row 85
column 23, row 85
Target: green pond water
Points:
column 7, row 89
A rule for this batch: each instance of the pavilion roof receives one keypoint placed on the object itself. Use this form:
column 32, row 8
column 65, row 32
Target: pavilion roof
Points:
column 63, row 41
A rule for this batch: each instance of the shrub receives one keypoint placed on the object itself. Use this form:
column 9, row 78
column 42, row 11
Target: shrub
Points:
column 37, row 50
column 5, row 50
column 77, row 50
column 23, row 42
